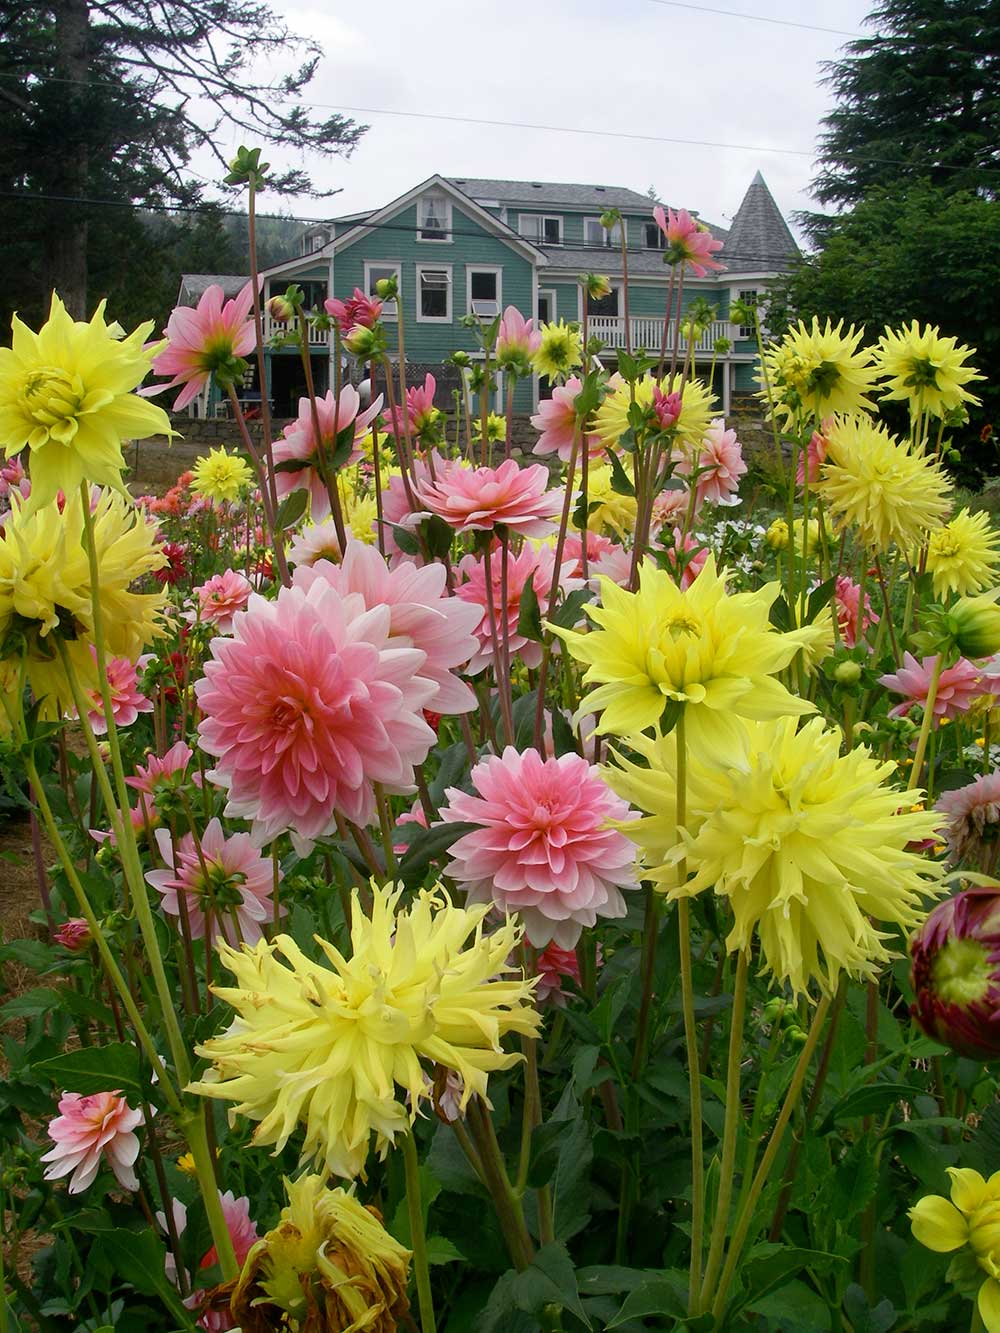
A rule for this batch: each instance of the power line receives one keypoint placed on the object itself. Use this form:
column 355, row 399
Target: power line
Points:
column 757, row 18
column 210, row 209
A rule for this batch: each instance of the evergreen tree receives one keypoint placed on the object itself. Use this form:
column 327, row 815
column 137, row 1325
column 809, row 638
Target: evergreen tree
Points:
column 920, row 100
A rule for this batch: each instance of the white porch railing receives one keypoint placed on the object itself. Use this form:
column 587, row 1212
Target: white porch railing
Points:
column 318, row 338
column 647, row 333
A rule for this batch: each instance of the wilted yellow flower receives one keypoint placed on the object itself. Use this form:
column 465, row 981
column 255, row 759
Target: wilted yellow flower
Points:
column 925, row 370
column 66, row 394
column 807, row 844
column 559, row 352
column 596, row 285
column 712, row 652
column 885, row 488
column 328, row 1264
column 221, row 476
column 971, row 1218
column 45, row 590
column 697, row 408
column 614, row 512
column 328, row 1046
column 187, row 1165
column 817, row 371
column 963, row 554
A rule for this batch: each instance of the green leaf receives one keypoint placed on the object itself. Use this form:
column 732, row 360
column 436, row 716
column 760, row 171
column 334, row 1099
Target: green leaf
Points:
column 818, row 598
column 529, row 619
column 568, row 612
column 138, row 1258
column 291, row 509
column 438, row 535
column 31, row 1004
column 663, row 1294
column 425, row 846
column 406, row 540
column 35, row 954
column 869, row 1100
column 545, row 1141
column 97, row 1069
column 621, row 482
column 440, row 1250
column 550, row 1279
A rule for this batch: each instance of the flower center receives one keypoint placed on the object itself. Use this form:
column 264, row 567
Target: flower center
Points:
column 50, row 394
column 945, row 544
column 961, row 972
column 923, row 374
column 680, row 624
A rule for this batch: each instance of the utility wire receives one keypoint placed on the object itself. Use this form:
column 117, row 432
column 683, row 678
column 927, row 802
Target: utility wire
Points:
column 758, row 18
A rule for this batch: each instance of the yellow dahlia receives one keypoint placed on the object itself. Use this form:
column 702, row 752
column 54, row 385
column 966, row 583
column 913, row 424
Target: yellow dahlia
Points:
column 328, row 1264
column 66, row 395
column 813, row 372
column 330, row 1046
column 885, row 488
column 496, row 428
column 45, row 590
column 713, row 653
column 925, row 370
column 971, row 1218
column 613, row 512
column 963, row 555
column 808, row 845
column 697, row 408
column 221, row 476
column 559, row 351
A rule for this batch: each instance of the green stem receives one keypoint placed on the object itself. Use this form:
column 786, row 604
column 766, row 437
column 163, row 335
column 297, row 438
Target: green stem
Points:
column 925, row 726
column 418, row 1238
column 720, row 1224
column 506, row 1202
column 760, row 1179
column 196, row 1133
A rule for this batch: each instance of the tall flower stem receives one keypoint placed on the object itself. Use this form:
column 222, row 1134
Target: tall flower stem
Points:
column 763, row 1172
column 554, row 591
column 506, row 1202
column 195, row 1125
column 720, row 1224
column 668, row 313
column 506, row 707
column 270, row 505
column 258, row 324
column 418, row 1236
column 925, row 726
column 329, row 481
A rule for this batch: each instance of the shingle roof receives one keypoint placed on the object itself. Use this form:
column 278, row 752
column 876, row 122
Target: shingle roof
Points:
column 591, row 259
column 551, row 192
column 759, row 238
column 193, row 285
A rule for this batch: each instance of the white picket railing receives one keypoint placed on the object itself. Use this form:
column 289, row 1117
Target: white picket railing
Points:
column 319, row 338
column 647, row 333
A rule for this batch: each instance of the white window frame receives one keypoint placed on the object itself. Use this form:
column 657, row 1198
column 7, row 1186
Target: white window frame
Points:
column 610, row 240
column 616, row 286
column 661, row 241
column 553, row 296
column 389, row 310
column 541, row 219
column 746, row 332
column 434, row 240
column 497, row 272
column 449, row 292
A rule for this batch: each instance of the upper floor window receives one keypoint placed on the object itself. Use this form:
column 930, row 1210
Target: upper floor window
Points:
column 375, row 273
column 541, row 230
column 484, row 291
column 749, row 296
column 652, row 237
column 434, row 294
column 313, row 241
column 595, row 234
column 434, row 218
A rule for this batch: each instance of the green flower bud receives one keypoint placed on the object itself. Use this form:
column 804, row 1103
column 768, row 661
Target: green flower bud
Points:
column 847, row 673
column 975, row 624
column 387, row 289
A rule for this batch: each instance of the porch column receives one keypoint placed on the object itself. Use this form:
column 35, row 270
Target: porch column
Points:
column 727, row 371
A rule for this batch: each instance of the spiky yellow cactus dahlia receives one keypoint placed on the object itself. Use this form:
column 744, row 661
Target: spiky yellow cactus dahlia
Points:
column 697, row 408
column 331, row 1046
column 813, row 372
column 924, row 370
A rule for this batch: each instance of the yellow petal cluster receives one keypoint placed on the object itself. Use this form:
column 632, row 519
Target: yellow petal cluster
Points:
column 608, row 511
column 713, row 652
column 924, row 370
column 45, row 589
column 697, row 408
column 331, row 1046
column 885, row 488
column 970, row 1218
column 328, row 1264
column 816, row 371
column 66, row 395
column 559, row 352
column 963, row 555
column 221, row 476
column 808, row 845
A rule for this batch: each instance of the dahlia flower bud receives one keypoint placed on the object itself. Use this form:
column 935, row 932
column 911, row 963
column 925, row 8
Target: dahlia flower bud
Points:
column 362, row 342
column 74, row 934
column 847, row 672
column 329, row 1263
column 597, row 286
column 387, row 289
column 777, row 535
column 976, row 625
column 281, row 309
column 667, row 408
column 956, row 973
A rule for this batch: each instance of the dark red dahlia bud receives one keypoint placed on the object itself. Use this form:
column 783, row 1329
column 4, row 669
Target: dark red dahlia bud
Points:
column 956, row 973
column 433, row 720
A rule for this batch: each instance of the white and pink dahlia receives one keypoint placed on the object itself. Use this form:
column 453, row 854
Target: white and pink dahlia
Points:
column 543, row 847
column 421, row 614
column 720, row 466
column 482, row 499
column 127, row 699
column 219, row 598
column 223, row 880
column 307, row 705
column 89, row 1130
column 341, row 419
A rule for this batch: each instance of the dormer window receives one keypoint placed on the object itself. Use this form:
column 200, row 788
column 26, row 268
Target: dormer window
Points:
column 594, row 234
column 313, row 241
column 652, row 237
column 541, row 230
column 434, row 218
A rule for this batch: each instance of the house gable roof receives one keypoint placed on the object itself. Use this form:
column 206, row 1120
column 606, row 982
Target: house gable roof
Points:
column 468, row 205
column 541, row 194
column 194, row 285
column 759, row 237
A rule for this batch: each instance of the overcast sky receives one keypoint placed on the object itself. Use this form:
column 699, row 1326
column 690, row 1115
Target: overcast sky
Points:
column 629, row 66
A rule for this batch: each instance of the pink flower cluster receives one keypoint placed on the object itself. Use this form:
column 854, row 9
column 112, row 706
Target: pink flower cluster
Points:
column 958, row 686
column 357, row 309
column 543, row 847
column 300, row 444
column 220, row 598
column 688, row 242
column 719, row 465
column 91, row 1130
column 483, row 499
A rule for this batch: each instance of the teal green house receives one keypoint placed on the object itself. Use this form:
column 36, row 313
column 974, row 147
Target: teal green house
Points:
column 462, row 246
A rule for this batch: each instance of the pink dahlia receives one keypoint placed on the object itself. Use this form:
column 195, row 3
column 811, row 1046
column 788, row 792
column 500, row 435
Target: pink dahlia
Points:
column 242, row 1232
column 89, row 1129
column 847, row 600
column 357, row 309
column 306, row 706
column 397, row 512
column 543, row 848
column 143, row 816
column 537, row 565
column 517, row 342
column 484, row 498
column 604, row 557
column 973, row 813
column 553, row 964
column 670, row 508
column 419, row 413
column 666, row 407
column 315, row 542
column 556, row 419
column 227, row 879
column 688, row 242
column 212, row 338
column 166, row 770
column 127, row 700
column 220, row 598
column 957, row 686
column 176, row 567
column 74, row 934
column 813, row 458
column 696, row 555
column 720, row 465
column 421, row 615
column 342, row 423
